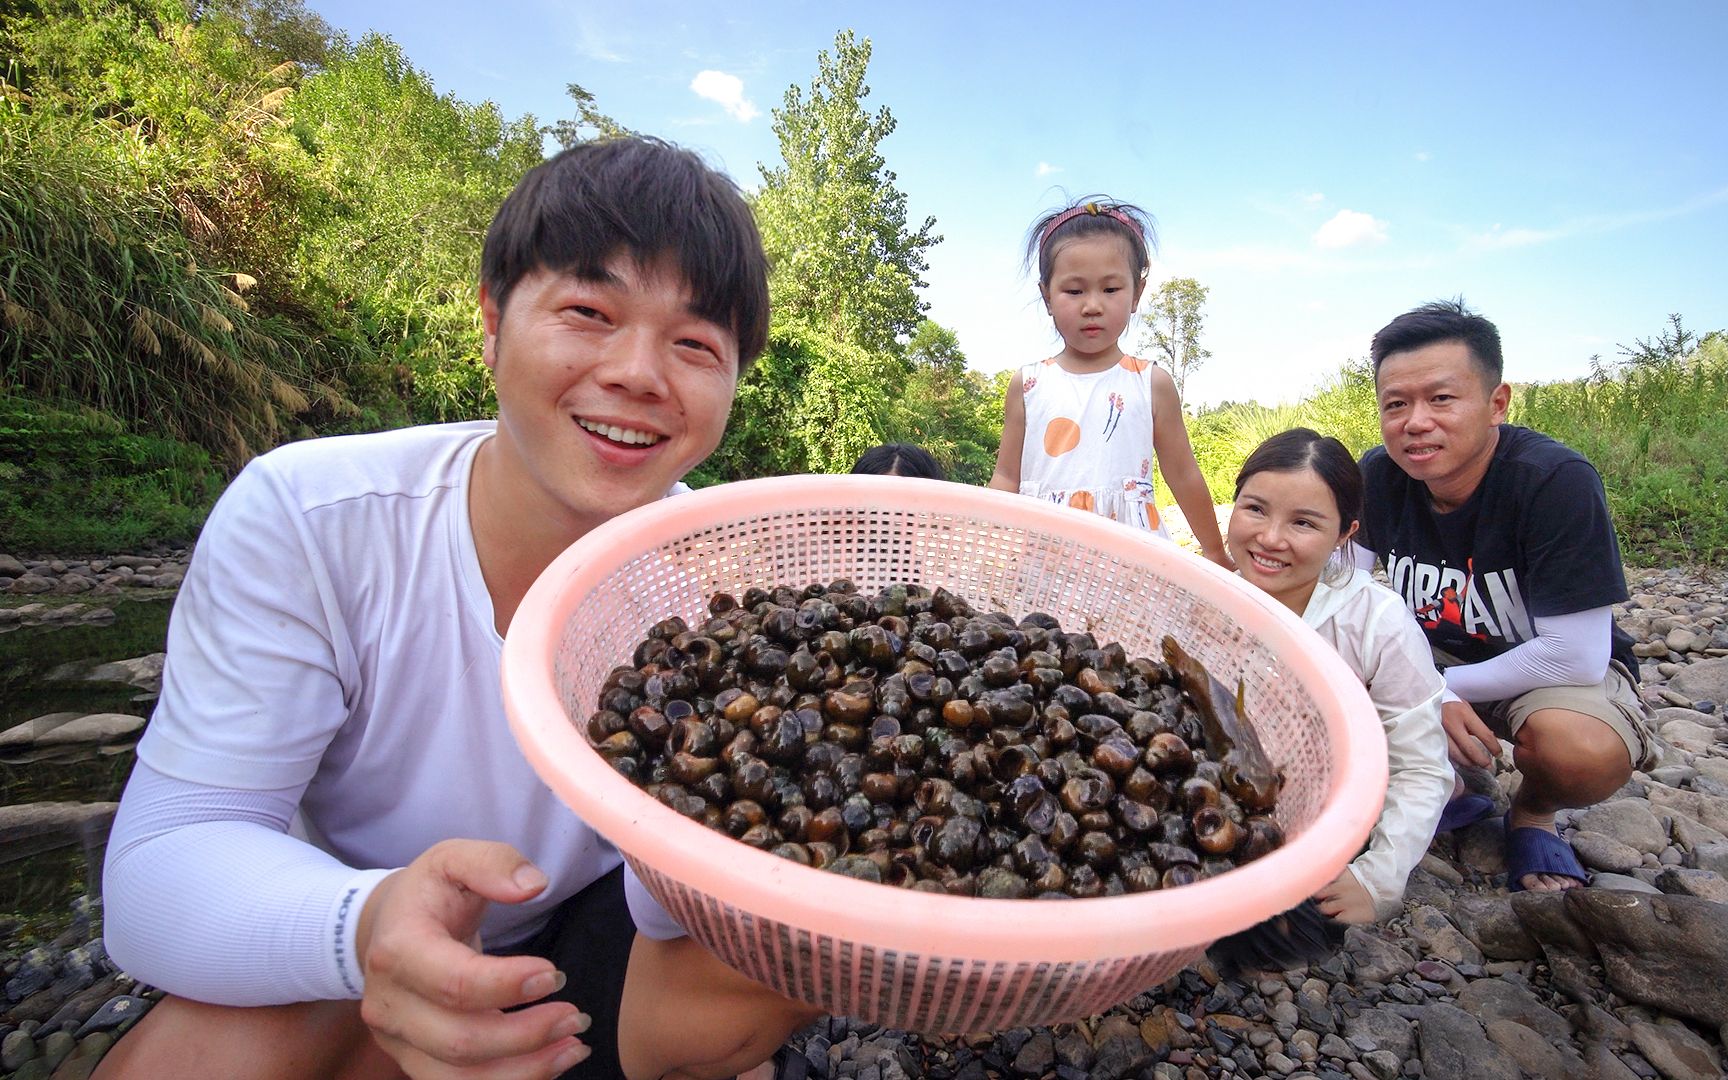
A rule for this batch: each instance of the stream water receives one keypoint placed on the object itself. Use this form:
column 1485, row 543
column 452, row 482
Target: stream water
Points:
column 38, row 884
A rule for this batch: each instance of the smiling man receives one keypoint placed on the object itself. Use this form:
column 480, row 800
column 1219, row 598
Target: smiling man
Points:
column 331, row 853
column 1500, row 541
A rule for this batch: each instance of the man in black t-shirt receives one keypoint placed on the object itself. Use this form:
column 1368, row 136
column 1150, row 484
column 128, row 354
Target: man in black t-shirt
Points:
column 1500, row 540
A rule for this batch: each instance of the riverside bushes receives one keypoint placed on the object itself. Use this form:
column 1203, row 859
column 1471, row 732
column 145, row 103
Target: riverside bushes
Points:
column 73, row 480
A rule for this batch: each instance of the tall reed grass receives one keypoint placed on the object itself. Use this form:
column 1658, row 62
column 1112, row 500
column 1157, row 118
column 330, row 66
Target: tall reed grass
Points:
column 105, row 305
column 1655, row 428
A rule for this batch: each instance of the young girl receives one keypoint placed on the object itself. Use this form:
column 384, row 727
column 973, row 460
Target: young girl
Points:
column 1298, row 502
column 1081, row 428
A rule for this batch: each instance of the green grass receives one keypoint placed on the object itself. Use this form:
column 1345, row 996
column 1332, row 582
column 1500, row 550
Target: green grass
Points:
column 75, row 480
column 1656, row 430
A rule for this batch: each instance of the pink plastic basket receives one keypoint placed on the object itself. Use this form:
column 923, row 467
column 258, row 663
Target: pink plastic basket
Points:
column 924, row 961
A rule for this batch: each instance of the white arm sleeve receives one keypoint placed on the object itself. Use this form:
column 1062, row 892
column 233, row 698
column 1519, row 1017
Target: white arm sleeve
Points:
column 1568, row 650
column 1406, row 692
column 210, row 899
column 652, row 920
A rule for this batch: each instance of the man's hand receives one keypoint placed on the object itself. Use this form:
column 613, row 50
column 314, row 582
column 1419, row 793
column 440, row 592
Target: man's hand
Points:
column 1468, row 739
column 1345, row 899
column 433, row 1002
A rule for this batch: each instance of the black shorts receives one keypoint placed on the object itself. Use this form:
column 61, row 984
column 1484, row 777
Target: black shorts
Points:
column 589, row 940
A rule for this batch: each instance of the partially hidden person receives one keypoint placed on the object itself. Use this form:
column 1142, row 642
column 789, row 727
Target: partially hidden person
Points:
column 1082, row 428
column 899, row 459
column 1500, row 541
column 1298, row 505
column 331, row 853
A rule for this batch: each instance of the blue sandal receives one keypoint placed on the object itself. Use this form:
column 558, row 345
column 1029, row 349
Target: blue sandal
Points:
column 1465, row 810
column 1530, row 850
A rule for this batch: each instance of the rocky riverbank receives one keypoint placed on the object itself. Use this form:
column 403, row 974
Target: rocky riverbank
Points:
column 1627, row 979
column 99, row 577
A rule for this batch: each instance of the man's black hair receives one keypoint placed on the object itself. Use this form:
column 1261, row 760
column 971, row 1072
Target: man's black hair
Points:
column 647, row 199
column 1443, row 320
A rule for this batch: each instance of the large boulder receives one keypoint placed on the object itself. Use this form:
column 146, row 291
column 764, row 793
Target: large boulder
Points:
column 1711, row 810
column 28, row 828
column 1629, row 821
column 1438, row 939
column 23, row 736
column 1677, row 1053
column 95, row 729
column 1668, row 952
column 1454, row 1047
column 1706, row 680
column 1491, row 923
column 1497, row 999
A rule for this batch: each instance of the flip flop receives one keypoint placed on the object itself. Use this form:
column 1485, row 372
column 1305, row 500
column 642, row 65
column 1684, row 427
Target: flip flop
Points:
column 1466, row 809
column 1530, row 850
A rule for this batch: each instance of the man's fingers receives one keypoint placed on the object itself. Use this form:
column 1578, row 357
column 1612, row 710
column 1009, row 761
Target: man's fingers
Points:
column 492, row 870
column 1490, row 741
column 1477, row 752
column 481, row 1039
column 1465, row 731
column 543, row 1063
column 452, row 976
column 1466, row 750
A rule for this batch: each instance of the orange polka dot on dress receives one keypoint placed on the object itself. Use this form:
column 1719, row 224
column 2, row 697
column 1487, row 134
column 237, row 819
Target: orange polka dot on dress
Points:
column 1089, row 440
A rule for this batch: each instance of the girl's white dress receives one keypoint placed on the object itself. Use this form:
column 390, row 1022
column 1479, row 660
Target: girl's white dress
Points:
column 1089, row 440
column 1371, row 628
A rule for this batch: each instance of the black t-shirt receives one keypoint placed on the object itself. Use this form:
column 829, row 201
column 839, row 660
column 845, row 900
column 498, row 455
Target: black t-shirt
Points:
column 1534, row 540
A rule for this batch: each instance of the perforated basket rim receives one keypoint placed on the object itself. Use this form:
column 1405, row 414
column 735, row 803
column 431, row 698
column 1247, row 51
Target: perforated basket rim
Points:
column 904, row 920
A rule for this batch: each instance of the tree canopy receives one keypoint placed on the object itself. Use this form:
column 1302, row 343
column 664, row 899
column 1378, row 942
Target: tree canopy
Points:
column 846, row 262
column 1173, row 320
column 851, row 361
column 224, row 224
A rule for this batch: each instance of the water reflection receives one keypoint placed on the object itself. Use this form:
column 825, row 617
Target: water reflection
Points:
column 42, row 873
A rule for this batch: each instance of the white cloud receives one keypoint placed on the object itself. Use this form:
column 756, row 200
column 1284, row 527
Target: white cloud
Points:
column 594, row 42
column 1350, row 228
column 1045, row 169
column 1314, row 198
column 728, row 92
column 1423, row 155
column 1499, row 238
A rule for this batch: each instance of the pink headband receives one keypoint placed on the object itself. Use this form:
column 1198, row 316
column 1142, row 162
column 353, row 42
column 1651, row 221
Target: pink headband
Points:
column 1087, row 208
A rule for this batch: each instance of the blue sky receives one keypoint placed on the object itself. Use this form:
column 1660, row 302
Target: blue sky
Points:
column 1320, row 168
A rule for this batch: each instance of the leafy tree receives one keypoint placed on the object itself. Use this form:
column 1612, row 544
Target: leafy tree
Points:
column 934, row 345
column 573, row 132
column 844, row 287
column 846, row 264
column 406, row 181
column 954, row 413
column 285, row 31
column 1172, row 324
column 1669, row 347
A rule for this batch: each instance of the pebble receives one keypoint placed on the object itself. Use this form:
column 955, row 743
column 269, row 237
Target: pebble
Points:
column 16, row 1049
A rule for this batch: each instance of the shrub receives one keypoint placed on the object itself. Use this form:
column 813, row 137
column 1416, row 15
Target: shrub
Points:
column 75, row 480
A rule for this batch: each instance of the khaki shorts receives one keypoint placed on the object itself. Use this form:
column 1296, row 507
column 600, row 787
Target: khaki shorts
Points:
column 1615, row 702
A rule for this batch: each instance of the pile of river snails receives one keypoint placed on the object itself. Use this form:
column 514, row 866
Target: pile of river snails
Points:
column 910, row 739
